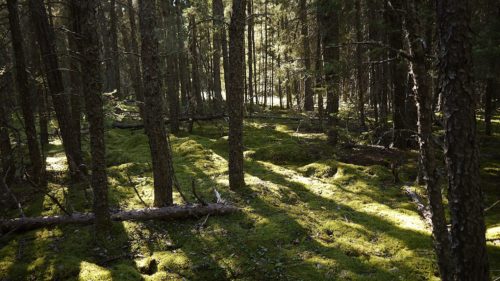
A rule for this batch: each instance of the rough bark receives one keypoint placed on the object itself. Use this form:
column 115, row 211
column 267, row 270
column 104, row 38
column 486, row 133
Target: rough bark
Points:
column 23, row 89
column 183, row 69
column 165, row 213
column 235, row 94
column 419, row 69
column 153, row 115
column 46, row 41
column 89, row 48
column 468, row 243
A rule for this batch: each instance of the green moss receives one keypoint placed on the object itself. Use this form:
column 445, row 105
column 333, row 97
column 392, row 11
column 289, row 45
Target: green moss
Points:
column 305, row 215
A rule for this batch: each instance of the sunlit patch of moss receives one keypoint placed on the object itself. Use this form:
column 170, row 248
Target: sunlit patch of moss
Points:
column 327, row 169
column 92, row 272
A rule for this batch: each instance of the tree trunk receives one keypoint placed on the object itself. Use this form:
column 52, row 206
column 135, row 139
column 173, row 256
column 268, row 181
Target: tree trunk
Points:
column 183, row 69
column 330, row 35
column 422, row 91
column 468, row 242
column 89, row 48
column 195, row 69
column 6, row 151
column 399, row 75
column 115, row 52
column 75, row 73
column 165, row 213
column 171, row 71
column 134, row 59
column 46, row 42
column 218, row 23
column 359, row 67
column 304, row 32
column 153, row 114
column 235, row 94
column 250, row 54
column 25, row 98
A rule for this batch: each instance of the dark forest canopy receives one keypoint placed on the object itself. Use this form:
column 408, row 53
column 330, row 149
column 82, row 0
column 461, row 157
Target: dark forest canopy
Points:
column 249, row 140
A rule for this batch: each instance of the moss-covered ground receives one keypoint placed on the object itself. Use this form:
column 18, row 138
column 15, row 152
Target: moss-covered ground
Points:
column 309, row 212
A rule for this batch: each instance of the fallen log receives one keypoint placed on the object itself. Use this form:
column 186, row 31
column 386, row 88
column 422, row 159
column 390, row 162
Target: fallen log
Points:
column 165, row 213
column 137, row 126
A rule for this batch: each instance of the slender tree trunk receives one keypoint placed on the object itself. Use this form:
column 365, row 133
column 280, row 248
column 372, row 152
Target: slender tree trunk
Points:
column 235, row 94
column 468, row 242
column 359, row 67
column 218, row 22
column 89, row 48
column 115, row 52
column 46, row 42
column 37, row 166
column 420, row 73
column 195, row 69
column 183, row 69
column 308, row 90
column 153, row 115
column 75, row 74
column 398, row 73
column 6, row 151
column 250, row 53
column 134, row 59
column 489, row 105
column 171, row 71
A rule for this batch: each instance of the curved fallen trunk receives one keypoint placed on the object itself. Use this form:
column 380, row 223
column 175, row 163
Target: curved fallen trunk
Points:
column 165, row 213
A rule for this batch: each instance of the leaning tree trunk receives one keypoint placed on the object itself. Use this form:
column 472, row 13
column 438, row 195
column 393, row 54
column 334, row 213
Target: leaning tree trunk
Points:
column 46, row 41
column 235, row 94
column 92, row 88
column 153, row 113
column 468, row 242
column 25, row 94
column 420, row 74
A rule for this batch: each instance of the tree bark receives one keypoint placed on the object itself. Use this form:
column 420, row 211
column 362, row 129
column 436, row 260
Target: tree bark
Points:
column 419, row 70
column 235, row 94
column 304, row 32
column 359, row 67
column 153, row 114
column 398, row 74
column 134, row 58
column 47, row 44
column 25, row 98
column 218, row 23
column 6, row 151
column 165, row 213
column 115, row 52
column 195, row 69
column 468, row 242
column 89, row 48
column 250, row 54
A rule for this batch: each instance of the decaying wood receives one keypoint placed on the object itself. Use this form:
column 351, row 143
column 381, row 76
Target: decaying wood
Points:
column 165, row 213
column 421, row 207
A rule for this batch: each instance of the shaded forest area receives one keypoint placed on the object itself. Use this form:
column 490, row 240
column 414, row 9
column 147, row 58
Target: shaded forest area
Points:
column 249, row 140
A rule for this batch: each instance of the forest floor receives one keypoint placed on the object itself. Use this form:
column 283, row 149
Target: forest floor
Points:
column 309, row 212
